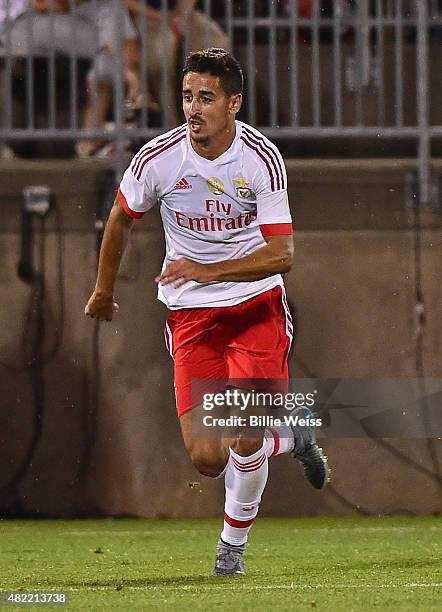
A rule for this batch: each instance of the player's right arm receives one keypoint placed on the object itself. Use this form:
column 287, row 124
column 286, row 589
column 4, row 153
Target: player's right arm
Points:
column 101, row 304
column 136, row 195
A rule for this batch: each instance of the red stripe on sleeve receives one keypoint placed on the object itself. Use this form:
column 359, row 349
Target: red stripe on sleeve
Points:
column 154, row 153
column 276, row 229
column 270, row 170
column 125, row 205
column 150, row 147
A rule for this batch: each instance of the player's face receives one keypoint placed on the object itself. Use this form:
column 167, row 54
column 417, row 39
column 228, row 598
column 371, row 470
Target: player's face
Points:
column 208, row 110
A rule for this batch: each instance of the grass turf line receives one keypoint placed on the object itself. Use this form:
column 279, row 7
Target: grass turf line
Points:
column 292, row 564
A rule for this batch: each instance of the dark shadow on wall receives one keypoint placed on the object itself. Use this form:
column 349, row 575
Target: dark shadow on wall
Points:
column 47, row 405
column 45, row 438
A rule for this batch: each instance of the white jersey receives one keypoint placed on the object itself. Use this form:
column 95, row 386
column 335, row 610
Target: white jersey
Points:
column 211, row 210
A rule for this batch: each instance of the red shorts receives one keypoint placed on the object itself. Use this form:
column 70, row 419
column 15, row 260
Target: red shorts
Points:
column 250, row 340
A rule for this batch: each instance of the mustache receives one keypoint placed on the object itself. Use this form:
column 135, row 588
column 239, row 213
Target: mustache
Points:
column 196, row 119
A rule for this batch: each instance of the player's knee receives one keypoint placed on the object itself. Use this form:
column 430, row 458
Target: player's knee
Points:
column 246, row 446
column 205, row 464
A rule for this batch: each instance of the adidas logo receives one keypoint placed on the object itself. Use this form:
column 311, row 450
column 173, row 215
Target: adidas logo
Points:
column 183, row 184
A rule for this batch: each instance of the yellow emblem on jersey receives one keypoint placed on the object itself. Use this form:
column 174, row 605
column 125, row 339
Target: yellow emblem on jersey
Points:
column 240, row 180
column 215, row 185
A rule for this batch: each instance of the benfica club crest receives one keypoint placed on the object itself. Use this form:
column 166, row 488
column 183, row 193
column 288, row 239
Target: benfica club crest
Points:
column 243, row 191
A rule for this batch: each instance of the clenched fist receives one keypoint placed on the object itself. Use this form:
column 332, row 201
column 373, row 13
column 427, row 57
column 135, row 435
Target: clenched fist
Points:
column 101, row 307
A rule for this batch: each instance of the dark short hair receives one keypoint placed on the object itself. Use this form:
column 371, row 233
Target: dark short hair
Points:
column 217, row 62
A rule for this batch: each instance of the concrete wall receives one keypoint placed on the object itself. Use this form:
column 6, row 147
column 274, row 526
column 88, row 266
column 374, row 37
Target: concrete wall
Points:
column 118, row 450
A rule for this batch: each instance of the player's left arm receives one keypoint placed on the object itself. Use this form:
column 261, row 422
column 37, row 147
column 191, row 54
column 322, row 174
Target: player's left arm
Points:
column 275, row 257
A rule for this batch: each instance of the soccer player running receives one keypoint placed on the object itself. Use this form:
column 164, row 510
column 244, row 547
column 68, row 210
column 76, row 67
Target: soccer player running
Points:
column 222, row 190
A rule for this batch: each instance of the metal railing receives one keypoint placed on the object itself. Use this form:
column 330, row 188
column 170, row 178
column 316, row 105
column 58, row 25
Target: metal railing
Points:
column 347, row 68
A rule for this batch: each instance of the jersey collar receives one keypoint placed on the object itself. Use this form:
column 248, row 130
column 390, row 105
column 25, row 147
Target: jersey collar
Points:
column 224, row 157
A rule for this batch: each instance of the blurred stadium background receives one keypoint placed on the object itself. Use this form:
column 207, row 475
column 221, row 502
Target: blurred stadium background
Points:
column 352, row 94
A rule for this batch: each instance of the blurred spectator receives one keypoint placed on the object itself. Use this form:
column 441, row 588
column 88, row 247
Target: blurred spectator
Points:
column 159, row 44
column 85, row 30
column 9, row 11
column 101, row 77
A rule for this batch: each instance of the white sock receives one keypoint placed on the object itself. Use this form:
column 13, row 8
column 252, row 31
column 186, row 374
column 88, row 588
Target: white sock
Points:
column 278, row 440
column 245, row 481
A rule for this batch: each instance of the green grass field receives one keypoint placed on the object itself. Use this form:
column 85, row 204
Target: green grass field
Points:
column 388, row 564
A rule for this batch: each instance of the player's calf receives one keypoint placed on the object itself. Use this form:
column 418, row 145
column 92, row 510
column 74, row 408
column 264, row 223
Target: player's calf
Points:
column 207, row 463
column 244, row 445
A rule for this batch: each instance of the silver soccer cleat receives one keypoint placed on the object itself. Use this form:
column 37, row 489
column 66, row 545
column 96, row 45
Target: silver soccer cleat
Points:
column 229, row 560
